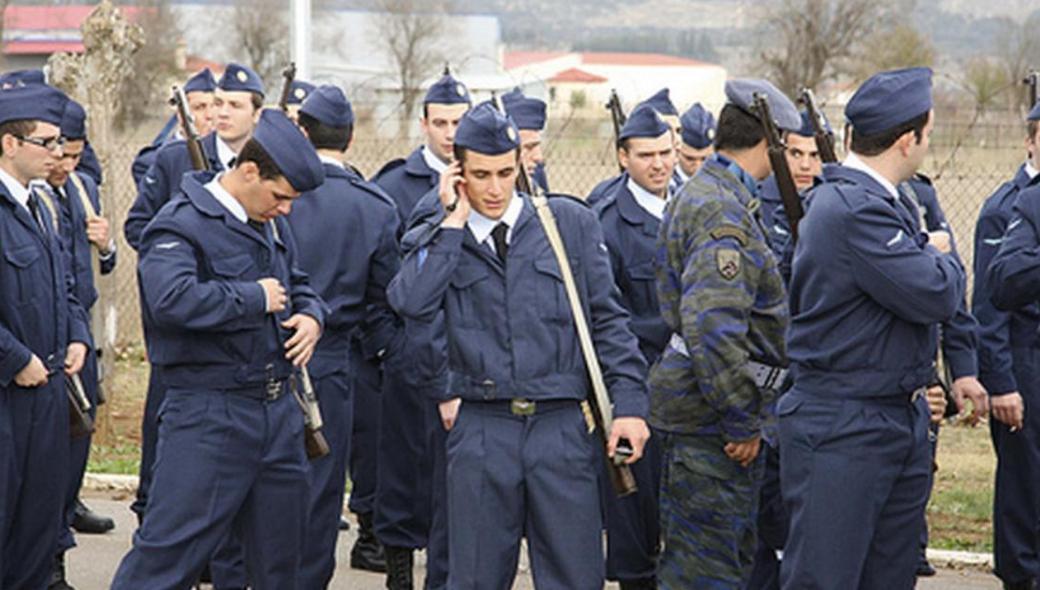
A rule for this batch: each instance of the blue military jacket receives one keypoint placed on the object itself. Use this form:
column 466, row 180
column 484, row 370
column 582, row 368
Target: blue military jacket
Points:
column 1013, row 273
column 521, row 341
column 865, row 293
column 958, row 336
column 406, row 181
column 630, row 232
column 540, row 177
column 198, row 274
column 39, row 312
column 605, row 188
column 162, row 182
column 354, row 220
column 73, row 231
column 1000, row 331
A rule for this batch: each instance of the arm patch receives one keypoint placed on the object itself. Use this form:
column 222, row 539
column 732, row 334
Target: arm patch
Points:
column 729, row 231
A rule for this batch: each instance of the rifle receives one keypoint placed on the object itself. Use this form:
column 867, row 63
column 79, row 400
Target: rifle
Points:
column 778, row 159
column 1032, row 80
column 80, row 422
column 597, row 408
column 288, row 75
column 618, row 117
column 303, row 391
column 824, row 138
column 191, row 135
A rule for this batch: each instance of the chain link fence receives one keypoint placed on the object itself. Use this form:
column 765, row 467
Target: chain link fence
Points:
column 970, row 156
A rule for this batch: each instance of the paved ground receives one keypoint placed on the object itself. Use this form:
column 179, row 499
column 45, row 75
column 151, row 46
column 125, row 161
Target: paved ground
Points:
column 92, row 564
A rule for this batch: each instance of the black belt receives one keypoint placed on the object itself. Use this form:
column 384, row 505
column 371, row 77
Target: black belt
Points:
column 267, row 391
column 521, row 407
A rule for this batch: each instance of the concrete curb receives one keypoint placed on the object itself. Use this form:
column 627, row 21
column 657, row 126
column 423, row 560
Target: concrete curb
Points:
column 107, row 482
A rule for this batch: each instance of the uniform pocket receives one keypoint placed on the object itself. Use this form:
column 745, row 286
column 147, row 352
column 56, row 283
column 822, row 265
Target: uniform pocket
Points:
column 463, row 304
column 23, row 259
column 232, row 267
column 550, row 292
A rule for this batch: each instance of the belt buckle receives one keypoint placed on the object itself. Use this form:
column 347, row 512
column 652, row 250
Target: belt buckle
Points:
column 522, row 407
column 274, row 389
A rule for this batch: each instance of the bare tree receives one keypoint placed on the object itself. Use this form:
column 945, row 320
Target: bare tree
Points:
column 902, row 46
column 1019, row 49
column 260, row 35
column 411, row 36
column 811, row 41
column 155, row 65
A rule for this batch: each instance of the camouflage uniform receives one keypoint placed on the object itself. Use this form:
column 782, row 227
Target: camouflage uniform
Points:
column 721, row 291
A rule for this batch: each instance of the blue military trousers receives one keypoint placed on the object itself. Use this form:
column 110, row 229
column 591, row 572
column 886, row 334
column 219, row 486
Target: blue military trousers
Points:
column 224, row 462
column 511, row 476
column 34, row 459
column 79, row 453
column 327, row 479
column 366, row 384
column 854, row 477
column 633, row 522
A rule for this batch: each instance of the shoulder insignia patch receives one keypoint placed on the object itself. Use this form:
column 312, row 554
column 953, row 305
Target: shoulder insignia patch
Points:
column 729, row 231
column 727, row 261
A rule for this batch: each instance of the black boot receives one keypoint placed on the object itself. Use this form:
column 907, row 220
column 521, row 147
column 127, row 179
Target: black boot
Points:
column 367, row 553
column 642, row 584
column 399, row 563
column 57, row 581
column 87, row 522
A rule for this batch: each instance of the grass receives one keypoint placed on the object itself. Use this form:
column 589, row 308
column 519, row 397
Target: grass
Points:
column 961, row 507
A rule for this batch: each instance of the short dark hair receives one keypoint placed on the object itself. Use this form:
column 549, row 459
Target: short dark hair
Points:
column 253, row 152
column 737, row 130
column 1031, row 127
column 257, row 99
column 19, row 128
column 873, row 145
column 326, row 137
column 460, row 154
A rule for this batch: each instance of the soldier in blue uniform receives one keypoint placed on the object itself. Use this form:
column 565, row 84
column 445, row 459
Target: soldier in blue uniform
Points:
column 867, row 291
column 529, row 115
column 408, row 512
column 199, row 91
column 803, row 159
column 44, row 335
column 697, row 134
column 74, row 204
column 723, row 299
column 1006, row 369
column 358, row 222
column 521, row 460
column 232, row 315
column 630, row 219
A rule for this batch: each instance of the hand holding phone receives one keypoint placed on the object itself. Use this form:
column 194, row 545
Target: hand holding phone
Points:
column 453, row 196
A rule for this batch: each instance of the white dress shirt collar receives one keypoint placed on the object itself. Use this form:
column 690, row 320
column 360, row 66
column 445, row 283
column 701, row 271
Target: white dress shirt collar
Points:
column 224, row 198
column 224, row 153
column 481, row 226
column 653, row 204
column 435, row 163
column 19, row 192
column 856, row 163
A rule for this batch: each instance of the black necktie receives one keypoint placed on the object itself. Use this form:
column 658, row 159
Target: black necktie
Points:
column 231, row 163
column 259, row 227
column 34, row 208
column 499, row 236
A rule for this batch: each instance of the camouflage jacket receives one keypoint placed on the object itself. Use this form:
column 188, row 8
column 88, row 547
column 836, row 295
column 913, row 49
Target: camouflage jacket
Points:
column 720, row 289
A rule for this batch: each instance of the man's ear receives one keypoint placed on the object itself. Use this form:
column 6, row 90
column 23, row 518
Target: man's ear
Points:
column 249, row 170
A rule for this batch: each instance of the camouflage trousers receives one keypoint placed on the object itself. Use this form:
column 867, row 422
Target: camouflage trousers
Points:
column 709, row 506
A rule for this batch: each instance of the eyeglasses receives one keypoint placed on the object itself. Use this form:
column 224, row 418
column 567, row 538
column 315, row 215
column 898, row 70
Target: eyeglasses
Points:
column 48, row 143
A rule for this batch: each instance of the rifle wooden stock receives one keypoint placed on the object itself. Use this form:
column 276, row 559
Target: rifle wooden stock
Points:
column 824, row 138
column 199, row 161
column 599, row 405
column 313, row 438
column 778, row 159
column 617, row 116
column 288, row 75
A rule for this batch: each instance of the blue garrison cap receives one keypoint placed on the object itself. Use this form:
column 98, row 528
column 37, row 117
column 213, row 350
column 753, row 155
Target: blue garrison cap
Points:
column 37, row 102
column 21, row 78
column 644, row 121
column 698, row 127
column 203, row 81
column 1034, row 115
column 889, row 99
column 527, row 113
column 74, row 121
column 299, row 91
column 486, row 130
column 239, row 78
column 662, row 103
column 289, row 148
column 447, row 90
column 329, row 105
column 807, row 129
column 742, row 94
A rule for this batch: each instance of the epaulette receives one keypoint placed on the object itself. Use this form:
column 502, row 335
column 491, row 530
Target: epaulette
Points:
column 391, row 165
column 579, row 200
column 354, row 169
column 922, row 178
column 372, row 189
